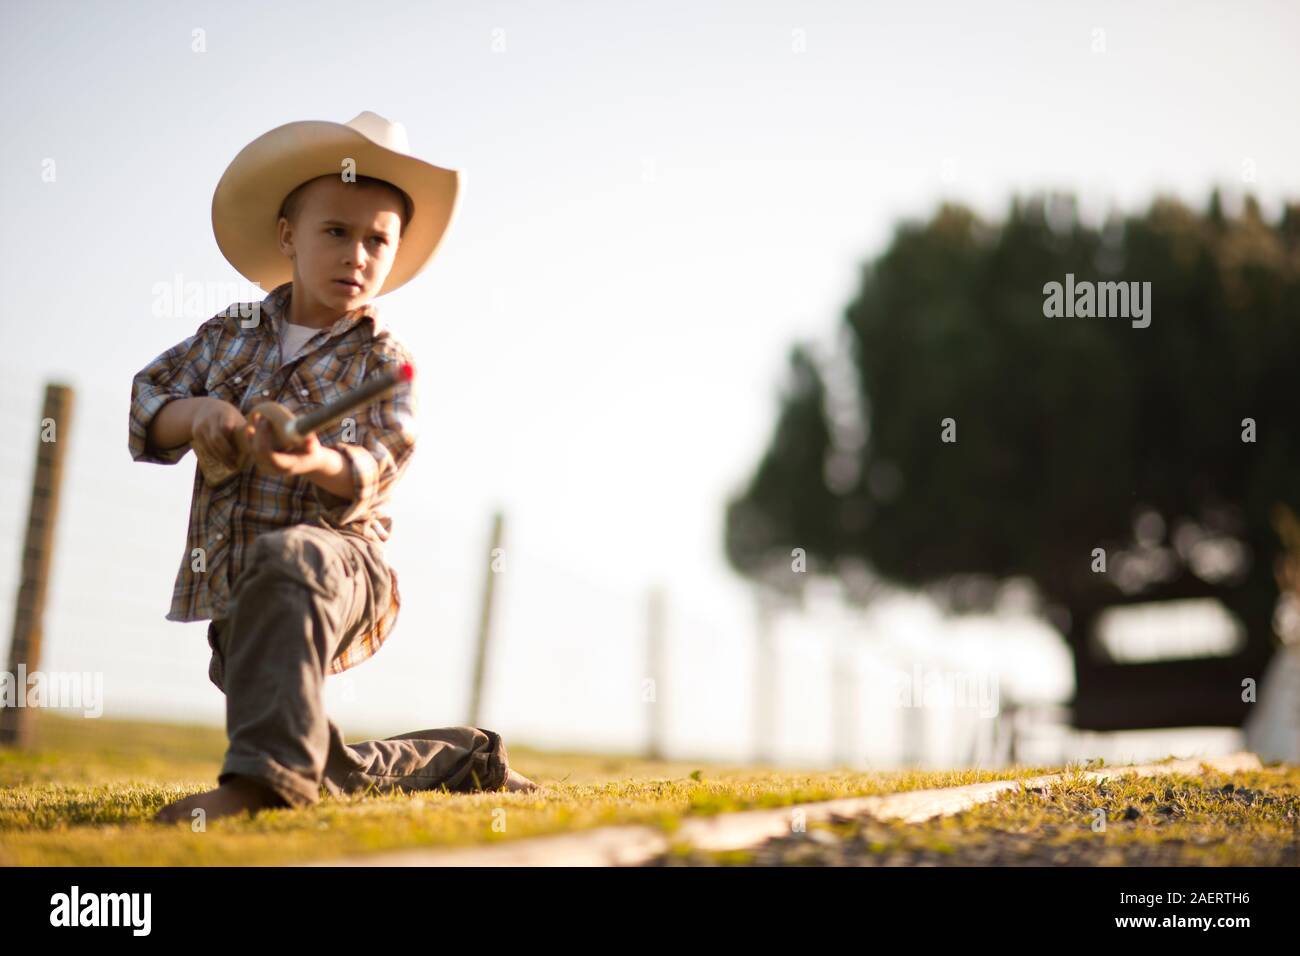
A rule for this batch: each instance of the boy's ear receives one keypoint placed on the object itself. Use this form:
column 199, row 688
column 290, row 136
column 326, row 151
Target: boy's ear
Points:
column 283, row 232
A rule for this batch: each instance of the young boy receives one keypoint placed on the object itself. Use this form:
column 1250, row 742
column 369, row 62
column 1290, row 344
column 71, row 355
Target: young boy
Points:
column 286, row 559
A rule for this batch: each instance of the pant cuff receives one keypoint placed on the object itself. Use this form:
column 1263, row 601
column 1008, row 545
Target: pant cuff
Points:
column 289, row 787
column 491, row 766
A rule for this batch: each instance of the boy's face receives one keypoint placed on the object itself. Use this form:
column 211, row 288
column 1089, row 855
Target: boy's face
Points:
column 343, row 231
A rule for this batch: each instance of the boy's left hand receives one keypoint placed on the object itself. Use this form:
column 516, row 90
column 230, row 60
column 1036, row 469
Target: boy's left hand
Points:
column 301, row 461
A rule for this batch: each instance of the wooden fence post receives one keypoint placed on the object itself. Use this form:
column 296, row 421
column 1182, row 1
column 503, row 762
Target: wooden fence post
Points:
column 765, row 677
column 38, row 548
column 655, row 671
column 485, row 621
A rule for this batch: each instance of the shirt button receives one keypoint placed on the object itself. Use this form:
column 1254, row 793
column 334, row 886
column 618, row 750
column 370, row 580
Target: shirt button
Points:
column 220, row 535
column 303, row 393
column 265, row 392
column 238, row 379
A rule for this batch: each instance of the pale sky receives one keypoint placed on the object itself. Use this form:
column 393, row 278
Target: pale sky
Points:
column 658, row 198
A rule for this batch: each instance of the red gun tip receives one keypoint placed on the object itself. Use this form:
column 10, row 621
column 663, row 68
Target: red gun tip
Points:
column 406, row 372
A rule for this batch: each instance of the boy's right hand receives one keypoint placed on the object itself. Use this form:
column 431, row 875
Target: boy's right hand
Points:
column 213, row 427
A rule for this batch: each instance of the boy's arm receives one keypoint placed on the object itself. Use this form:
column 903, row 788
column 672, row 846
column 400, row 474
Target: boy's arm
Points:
column 178, row 373
column 385, row 441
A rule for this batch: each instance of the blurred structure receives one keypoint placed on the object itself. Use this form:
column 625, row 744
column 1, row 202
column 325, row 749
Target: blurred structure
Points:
column 1273, row 728
column 960, row 436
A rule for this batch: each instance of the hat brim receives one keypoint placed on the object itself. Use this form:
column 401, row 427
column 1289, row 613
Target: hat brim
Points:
column 247, row 199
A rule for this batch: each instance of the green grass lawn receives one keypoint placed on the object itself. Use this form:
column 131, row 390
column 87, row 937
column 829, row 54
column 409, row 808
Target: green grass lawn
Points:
column 85, row 795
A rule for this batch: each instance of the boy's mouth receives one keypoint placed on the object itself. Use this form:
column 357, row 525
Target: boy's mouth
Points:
column 349, row 284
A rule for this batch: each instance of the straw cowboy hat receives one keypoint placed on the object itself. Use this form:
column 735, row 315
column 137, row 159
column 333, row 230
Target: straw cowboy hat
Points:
column 246, row 204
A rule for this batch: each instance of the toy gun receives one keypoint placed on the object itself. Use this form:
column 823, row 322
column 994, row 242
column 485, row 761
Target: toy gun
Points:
column 290, row 431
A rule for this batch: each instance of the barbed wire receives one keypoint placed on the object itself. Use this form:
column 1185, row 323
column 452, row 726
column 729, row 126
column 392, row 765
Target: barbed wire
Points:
column 142, row 556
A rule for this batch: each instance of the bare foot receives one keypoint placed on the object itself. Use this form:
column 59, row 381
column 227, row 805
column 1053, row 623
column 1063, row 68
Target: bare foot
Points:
column 236, row 795
column 516, row 781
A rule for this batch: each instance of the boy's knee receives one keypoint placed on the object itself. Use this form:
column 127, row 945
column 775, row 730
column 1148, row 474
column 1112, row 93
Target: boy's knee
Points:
column 298, row 554
column 281, row 546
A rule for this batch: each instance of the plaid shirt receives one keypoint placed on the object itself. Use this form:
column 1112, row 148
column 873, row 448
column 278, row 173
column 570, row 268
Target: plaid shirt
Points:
column 235, row 356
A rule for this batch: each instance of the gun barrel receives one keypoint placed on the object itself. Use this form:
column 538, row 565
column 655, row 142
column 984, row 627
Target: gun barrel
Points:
column 374, row 387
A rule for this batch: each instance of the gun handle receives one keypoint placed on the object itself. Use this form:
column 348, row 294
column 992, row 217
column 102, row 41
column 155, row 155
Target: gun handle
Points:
column 217, row 472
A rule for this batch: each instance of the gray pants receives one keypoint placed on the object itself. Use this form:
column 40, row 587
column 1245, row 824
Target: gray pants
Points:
column 304, row 595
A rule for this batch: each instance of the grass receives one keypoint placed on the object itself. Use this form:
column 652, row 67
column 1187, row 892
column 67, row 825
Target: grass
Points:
column 85, row 795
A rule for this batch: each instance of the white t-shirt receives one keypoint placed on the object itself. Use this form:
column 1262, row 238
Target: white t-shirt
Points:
column 292, row 338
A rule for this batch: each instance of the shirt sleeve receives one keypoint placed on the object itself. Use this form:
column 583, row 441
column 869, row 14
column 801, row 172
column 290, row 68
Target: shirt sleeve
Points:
column 385, row 441
column 180, row 372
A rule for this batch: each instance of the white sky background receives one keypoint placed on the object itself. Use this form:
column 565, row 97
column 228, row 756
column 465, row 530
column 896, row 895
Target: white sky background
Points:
column 658, row 199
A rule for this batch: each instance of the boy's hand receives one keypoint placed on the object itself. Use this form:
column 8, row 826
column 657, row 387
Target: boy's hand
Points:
column 212, row 429
column 303, row 460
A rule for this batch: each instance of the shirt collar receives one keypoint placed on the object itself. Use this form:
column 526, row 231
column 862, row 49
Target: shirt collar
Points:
column 276, row 305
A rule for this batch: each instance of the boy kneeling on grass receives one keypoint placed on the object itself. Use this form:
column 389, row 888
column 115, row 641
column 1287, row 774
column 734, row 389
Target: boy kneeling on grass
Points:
column 286, row 559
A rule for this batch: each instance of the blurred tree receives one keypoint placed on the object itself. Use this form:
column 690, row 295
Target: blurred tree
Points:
column 1072, row 434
